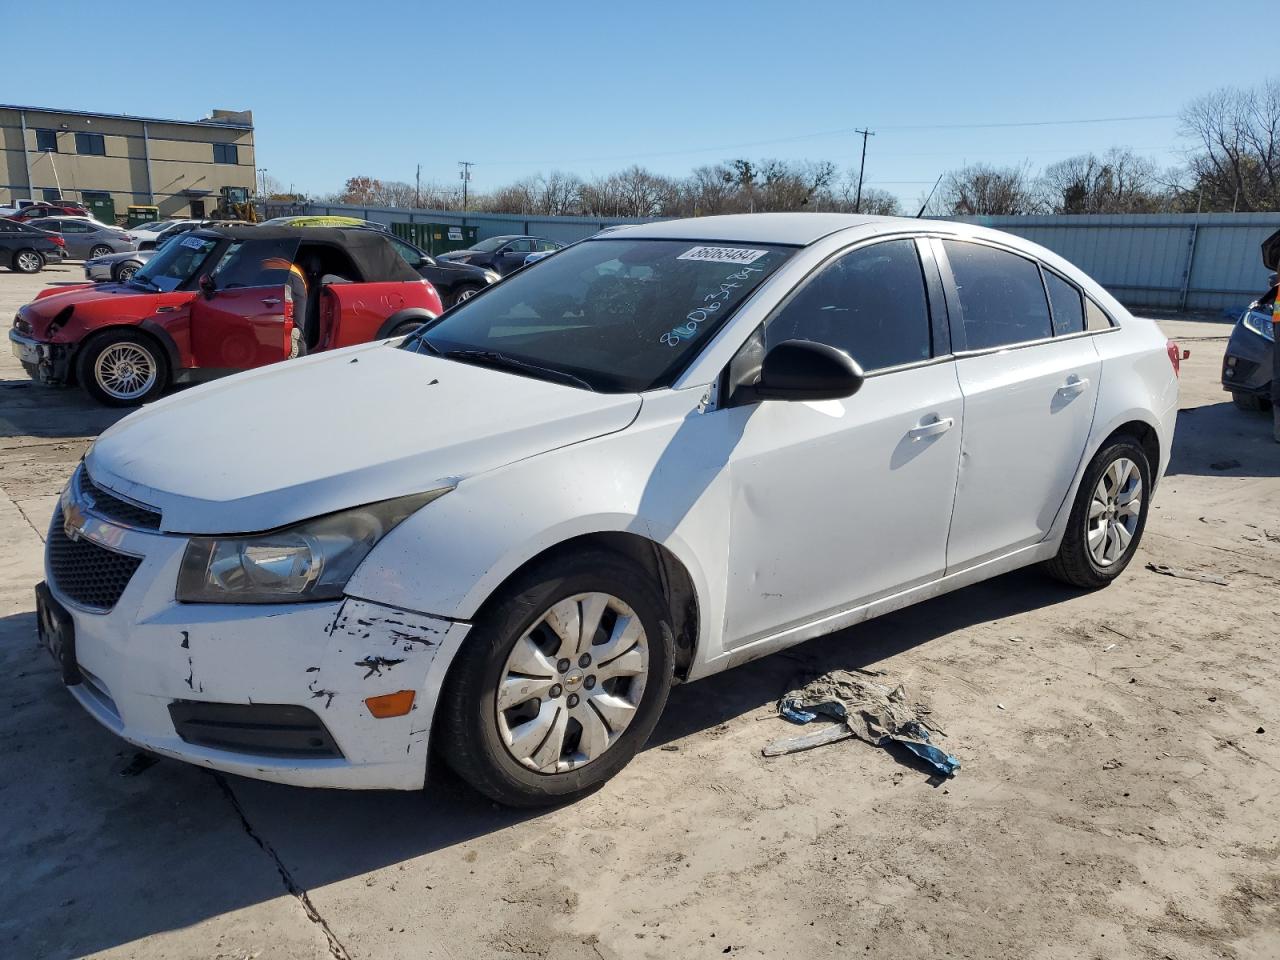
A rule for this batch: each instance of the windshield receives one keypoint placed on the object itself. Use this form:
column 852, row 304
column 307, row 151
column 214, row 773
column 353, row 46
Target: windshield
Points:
column 490, row 245
column 618, row 315
column 174, row 263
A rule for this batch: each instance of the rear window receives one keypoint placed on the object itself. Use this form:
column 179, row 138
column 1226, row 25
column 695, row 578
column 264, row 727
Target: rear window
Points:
column 1002, row 298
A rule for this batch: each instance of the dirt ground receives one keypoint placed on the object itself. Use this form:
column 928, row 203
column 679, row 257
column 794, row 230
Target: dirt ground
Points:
column 1120, row 751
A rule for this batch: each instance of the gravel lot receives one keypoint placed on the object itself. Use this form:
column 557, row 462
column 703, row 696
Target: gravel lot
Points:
column 1121, row 763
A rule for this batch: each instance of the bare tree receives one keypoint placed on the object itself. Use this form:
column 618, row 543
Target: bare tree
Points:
column 982, row 190
column 1236, row 165
column 1119, row 181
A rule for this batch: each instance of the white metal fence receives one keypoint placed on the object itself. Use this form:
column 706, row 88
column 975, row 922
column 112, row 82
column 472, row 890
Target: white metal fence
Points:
column 1181, row 261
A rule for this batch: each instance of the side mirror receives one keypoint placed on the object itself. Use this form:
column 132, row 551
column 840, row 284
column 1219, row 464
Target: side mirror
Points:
column 207, row 286
column 804, row 370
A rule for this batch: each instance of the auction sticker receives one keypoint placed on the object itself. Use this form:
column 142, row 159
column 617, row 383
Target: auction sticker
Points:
column 195, row 243
column 723, row 254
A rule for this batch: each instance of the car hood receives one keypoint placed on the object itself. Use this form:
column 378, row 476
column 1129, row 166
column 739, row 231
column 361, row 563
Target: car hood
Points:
column 302, row 438
column 126, row 304
column 139, row 255
column 455, row 254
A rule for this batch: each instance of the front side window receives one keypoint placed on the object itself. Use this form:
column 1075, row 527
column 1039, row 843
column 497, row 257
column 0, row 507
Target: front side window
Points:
column 92, row 144
column 1001, row 296
column 407, row 253
column 546, row 246
column 1068, row 309
column 611, row 315
column 255, row 263
column 175, row 263
column 225, row 153
column 47, row 141
column 870, row 303
column 519, row 246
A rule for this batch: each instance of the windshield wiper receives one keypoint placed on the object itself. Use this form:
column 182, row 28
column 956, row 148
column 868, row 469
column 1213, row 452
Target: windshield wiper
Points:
column 500, row 361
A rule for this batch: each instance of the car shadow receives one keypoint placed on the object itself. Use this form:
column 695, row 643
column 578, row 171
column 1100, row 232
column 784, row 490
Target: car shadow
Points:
column 1227, row 441
column 182, row 845
column 30, row 409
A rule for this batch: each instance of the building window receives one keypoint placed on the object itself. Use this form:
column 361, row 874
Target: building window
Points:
column 47, row 141
column 225, row 153
column 51, row 194
column 91, row 144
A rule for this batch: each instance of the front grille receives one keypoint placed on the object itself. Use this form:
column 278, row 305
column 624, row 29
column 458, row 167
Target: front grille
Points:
column 113, row 507
column 262, row 729
column 84, row 572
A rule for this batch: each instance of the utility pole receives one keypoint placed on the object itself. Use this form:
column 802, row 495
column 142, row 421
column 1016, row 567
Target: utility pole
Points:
column 417, row 187
column 465, row 175
column 262, row 173
column 857, row 205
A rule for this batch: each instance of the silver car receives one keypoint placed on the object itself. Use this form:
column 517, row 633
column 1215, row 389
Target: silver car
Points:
column 116, row 267
column 87, row 239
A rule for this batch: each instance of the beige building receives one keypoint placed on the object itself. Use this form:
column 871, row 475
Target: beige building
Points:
column 179, row 166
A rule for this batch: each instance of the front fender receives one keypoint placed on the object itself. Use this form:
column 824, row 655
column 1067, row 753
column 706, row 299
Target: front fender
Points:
column 663, row 479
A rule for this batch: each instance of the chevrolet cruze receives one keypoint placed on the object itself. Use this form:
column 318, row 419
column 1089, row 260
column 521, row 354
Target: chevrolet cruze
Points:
column 661, row 453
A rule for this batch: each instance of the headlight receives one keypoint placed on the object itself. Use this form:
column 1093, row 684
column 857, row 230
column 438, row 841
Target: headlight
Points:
column 312, row 560
column 492, row 276
column 1259, row 323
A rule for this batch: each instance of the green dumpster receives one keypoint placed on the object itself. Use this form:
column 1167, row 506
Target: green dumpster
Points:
column 140, row 214
column 102, row 209
column 436, row 237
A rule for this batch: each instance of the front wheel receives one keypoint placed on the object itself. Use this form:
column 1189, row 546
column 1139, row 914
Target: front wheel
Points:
column 560, row 682
column 465, row 293
column 125, row 272
column 101, row 250
column 122, row 368
column 1251, row 402
column 1107, row 518
column 27, row 261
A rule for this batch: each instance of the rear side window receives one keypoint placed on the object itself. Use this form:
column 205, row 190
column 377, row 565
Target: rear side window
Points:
column 1068, row 309
column 1001, row 296
column 1095, row 317
column 871, row 303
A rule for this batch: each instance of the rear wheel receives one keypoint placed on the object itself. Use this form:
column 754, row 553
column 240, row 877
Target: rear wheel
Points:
column 101, row 250
column 560, row 682
column 27, row 261
column 1107, row 518
column 1251, row 402
column 121, row 368
column 406, row 328
column 125, row 272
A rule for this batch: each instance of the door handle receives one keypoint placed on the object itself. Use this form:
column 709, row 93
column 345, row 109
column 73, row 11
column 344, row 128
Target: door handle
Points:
column 1074, row 386
column 931, row 429
column 271, row 301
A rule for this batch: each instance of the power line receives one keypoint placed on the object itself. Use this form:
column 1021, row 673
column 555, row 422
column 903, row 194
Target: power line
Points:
column 843, row 131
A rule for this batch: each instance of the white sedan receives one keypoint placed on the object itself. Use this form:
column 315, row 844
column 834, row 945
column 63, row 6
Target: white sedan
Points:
column 665, row 452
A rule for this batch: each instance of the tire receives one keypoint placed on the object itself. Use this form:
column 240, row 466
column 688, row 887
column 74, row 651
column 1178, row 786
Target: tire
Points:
column 406, row 328
column 1102, row 506
column 121, row 368
column 465, row 292
column 126, row 270
column 101, row 250
column 27, row 260
column 1250, row 402
column 484, row 746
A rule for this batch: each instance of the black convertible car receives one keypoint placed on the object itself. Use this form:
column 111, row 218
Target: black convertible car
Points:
column 454, row 281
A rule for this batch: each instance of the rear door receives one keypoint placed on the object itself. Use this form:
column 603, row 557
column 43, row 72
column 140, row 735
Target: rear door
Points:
column 78, row 234
column 242, row 323
column 1029, row 396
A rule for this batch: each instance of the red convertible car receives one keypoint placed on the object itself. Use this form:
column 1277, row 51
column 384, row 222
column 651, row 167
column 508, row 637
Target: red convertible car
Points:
column 219, row 300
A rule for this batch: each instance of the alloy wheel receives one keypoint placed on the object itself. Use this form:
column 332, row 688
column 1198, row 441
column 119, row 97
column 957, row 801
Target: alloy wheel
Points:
column 126, row 272
column 125, row 371
column 466, row 293
column 572, row 683
column 99, row 251
column 29, row 261
column 1114, row 512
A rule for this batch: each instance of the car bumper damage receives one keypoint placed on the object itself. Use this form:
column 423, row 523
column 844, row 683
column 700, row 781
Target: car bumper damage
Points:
column 328, row 694
column 52, row 361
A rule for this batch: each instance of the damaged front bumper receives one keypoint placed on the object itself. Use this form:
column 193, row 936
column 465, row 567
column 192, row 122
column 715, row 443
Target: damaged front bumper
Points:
column 272, row 692
column 51, row 361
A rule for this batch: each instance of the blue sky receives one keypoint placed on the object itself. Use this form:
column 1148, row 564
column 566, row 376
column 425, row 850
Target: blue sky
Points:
column 375, row 87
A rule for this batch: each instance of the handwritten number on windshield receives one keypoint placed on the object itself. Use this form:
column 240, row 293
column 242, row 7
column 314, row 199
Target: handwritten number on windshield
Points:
column 711, row 303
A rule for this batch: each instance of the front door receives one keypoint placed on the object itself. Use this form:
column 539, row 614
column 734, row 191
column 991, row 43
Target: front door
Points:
column 842, row 501
column 1028, row 399
column 241, row 324
column 512, row 256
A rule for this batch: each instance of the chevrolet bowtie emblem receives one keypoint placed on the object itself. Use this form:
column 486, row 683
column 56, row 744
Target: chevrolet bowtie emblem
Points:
column 72, row 521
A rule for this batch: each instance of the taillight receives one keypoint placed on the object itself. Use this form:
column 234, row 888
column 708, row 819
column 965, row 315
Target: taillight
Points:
column 288, row 322
column 58, row 240
column 1176, row 356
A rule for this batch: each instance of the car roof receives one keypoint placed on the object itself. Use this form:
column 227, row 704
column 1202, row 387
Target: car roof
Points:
column 370, row 250
column 795, row 229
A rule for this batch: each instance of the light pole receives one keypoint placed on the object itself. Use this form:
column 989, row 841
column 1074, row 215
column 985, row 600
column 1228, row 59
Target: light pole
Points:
column 262, row 173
